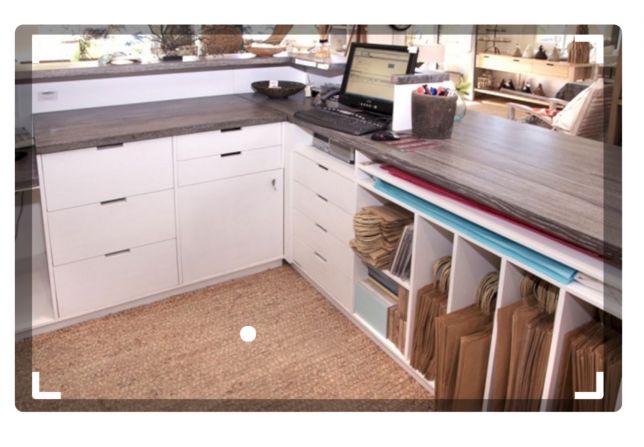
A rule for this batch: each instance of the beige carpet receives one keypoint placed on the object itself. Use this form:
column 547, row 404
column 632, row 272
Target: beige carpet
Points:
column 188, row 347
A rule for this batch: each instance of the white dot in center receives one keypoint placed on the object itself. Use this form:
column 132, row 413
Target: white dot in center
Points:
column 248, row 334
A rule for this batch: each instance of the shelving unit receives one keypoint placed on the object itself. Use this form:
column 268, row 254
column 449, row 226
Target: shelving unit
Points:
column 471, row 260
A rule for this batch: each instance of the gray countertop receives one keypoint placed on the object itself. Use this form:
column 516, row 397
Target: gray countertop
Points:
column 557, row 183
column 70, row 71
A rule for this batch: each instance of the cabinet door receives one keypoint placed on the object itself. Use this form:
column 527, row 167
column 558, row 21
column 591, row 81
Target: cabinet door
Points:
column 230, row 224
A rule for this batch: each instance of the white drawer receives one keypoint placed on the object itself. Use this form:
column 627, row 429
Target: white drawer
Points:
column 230, row 164
column 339, row 255
column 325, row 182
column 336, row 221
column 92, row 230
column 218, row 142
column 548, row 68
column 85, row 176
column 336, row 284
column 104, row 281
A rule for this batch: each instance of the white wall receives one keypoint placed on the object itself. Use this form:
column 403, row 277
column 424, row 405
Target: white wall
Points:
column 135, row 89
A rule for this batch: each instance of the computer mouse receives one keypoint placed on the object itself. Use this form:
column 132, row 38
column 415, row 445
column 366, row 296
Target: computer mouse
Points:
column 384, row 135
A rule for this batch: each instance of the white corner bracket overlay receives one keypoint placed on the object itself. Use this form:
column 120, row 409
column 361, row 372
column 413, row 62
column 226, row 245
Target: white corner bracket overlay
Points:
column 35, row 389
column 593, row 395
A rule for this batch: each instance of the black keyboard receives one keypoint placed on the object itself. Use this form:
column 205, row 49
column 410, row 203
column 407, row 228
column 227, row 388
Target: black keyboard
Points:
column 354, row 123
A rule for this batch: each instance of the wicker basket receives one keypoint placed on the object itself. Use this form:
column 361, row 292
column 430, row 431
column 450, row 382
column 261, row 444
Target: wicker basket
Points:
column 220, row 39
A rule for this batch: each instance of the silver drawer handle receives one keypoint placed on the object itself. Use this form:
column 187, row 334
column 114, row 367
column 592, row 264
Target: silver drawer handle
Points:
column 320, row 256
column 321, row 227
column 230, row 154
column 324, row 199
column 109, row 146
column 118, row 252
column 120, row 199
column 322, row 167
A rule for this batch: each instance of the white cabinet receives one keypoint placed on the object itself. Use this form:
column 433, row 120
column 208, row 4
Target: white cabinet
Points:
column 323, row 195
column 115, row 278
column 91, row 230
column 85, row 176
column 230, row 224
column 110, row 214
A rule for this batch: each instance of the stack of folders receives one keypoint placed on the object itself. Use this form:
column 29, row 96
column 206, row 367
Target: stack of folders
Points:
column 462, row 350
column 594, row 347
column 377, row 233
column 383, row 283
column 401, row 265
column 397, row 320
column 524, row 332
column 431, row 302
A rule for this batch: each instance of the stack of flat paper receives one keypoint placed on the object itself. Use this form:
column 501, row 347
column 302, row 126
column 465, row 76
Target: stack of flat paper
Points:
column 397, row 320
column 591, row 348
column 529, row 350
column 401, row 265
column 462, row 350
column 377, row 233
column 524, row 333
column 431, row 302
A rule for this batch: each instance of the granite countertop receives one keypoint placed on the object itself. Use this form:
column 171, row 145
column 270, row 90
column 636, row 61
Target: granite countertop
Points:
column 557, row 182
column 70, row 71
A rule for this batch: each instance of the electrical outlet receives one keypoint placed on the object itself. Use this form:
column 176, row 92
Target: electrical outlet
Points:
column 50, row 95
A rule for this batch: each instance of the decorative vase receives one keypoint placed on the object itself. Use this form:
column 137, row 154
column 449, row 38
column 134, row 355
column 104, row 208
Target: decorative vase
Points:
column 528, row 52
column 555, row 56
column 541, row 55
column 517, row 51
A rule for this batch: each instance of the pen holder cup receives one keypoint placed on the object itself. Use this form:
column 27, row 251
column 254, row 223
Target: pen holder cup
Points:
column 432, row 117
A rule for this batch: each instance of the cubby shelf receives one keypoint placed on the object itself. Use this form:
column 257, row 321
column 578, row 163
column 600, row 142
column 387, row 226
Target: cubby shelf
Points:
column 397, row 279
column 393, row 351
column 472, row 259
column 531, row 239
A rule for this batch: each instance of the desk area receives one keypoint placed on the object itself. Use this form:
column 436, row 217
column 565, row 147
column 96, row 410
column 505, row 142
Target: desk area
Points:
column 463, row 248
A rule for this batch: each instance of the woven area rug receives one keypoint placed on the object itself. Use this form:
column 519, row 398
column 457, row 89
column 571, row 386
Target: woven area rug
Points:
column 185, row 353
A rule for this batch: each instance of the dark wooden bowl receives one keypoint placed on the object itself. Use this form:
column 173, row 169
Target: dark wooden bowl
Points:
column 284, row 89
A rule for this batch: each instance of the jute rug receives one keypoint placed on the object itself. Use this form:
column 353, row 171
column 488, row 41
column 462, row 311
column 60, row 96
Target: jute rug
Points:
column 187, row 348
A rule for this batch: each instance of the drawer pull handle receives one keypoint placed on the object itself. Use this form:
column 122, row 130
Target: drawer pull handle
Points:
column 324, row 199
column 274, row 184
column 550, row 65
column 118, row 252
column 516, row 60
column 322, row 167
column 230, row 154
column 230, row 129
column 321, row 227
column 109, row 146
column 320, row 256
column 120, row 199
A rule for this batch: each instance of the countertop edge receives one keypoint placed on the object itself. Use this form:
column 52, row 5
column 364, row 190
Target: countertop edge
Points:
column 156, row 134
column 159, row 68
